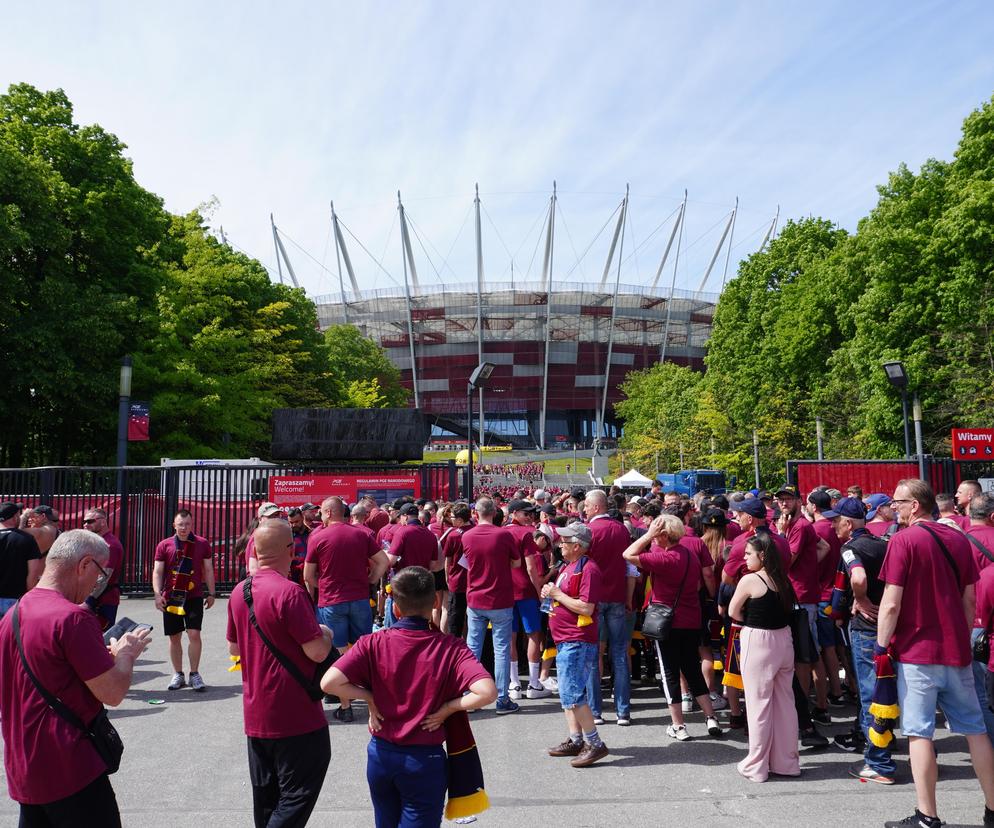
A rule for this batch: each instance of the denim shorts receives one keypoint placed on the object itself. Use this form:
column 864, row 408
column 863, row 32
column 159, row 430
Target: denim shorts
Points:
column 920, row 687
column 575, row 663
column 812, row 611
column 527, row 615
column 828, row 632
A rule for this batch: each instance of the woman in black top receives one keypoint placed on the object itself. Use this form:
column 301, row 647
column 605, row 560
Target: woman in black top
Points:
column 762, row 603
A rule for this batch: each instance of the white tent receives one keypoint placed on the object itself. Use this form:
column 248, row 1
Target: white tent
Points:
column 633, row 480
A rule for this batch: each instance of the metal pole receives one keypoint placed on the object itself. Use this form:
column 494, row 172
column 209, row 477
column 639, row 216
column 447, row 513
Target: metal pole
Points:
column 919, row 440
column 681, row 456
column 712, row 451
column 550, row 250
column 123, row 410
column 469, row 443
column 479, row 304
column 614, row 311
column 574, row 458
column 676, row 264
column 904, row 417
column 755, row 454
column 276, row 247
column 819, row 437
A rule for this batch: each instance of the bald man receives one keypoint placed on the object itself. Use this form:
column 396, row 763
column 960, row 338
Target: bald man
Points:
column 288, row 744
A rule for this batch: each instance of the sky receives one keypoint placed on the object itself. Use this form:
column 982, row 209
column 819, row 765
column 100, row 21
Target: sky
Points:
column 262, row 108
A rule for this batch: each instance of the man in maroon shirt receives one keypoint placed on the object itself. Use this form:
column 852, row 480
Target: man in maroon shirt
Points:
column 609, row 541
column 965, row 492
column 342, row 561
column 107, row 594
column 406, row 763
column 288, row 745
column 924, row 624
column 948, row 511
column 828, row 688
column 981, row 538
column 376, row 518
column 52, row 768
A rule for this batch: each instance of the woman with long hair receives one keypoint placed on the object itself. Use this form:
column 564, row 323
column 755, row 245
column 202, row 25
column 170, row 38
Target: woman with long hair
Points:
column 763, row 601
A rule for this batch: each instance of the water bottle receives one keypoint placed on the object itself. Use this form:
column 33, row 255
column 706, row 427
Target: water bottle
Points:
column 546, row 606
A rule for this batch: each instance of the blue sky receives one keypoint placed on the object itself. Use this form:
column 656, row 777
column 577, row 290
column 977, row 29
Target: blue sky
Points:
column 282, row 108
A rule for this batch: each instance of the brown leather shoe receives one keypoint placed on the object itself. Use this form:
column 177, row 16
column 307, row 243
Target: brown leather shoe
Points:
column 567, row 748
column 589, row 755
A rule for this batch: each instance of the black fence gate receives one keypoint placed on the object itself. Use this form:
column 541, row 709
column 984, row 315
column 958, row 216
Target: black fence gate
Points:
column 140, row 502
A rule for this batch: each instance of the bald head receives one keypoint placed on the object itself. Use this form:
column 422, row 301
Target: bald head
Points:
column 333, row 510
column 274, row 545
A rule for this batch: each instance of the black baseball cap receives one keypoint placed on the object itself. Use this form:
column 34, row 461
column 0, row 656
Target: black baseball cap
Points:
column 47, row 511
column 521, row 506
column 784, row 491
column 714, row 517
column 821, row 499
column 409, row 509
column 307, row 507
column 8, row 509
column 548, row 509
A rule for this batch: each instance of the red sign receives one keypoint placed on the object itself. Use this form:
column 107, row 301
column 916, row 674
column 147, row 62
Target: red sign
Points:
column 295, row 491
column 973, row 444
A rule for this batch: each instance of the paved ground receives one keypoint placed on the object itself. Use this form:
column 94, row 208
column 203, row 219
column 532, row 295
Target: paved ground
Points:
column 185, row 765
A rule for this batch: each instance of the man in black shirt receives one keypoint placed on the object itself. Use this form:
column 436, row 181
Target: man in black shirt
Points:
column 862, row 558
column 20, row 559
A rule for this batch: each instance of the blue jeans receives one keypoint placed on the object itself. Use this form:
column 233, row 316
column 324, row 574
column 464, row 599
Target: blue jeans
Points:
column 979, row 680
column 866, row 675
column 407, row 784
column 575, row 661
column 5, row 605
column 388, row 619
column 611, row 618
column 347, row 620
column 500, row 619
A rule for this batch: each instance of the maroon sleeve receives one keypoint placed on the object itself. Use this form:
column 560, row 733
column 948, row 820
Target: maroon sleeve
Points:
column 298, row 617
column 232, row 634
column 162, row 550
column 83, row 645
column 371, row 546
column 590, row 574
column 466, row 669
column 355, row 664
column 313, row 540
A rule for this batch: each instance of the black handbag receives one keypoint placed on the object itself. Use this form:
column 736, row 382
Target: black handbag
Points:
column 659, row 617
column 312, row 685
column 805, row 651
column 101, row 733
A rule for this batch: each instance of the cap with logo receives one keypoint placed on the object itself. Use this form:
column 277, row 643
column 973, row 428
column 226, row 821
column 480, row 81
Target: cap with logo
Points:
column 268, row 509
column 786, row 491
column 714, row 517
column 874, row 502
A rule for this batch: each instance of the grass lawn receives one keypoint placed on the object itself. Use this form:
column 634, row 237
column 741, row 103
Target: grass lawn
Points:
column 557, row 466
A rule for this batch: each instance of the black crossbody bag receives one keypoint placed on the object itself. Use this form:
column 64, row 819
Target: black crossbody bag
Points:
column 312, row 685
column 101, row 733
column 659, row 617
column 982, row 646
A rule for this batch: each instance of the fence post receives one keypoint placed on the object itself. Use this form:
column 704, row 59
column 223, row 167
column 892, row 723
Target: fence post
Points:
column 453, row 481
column 171, row 499
column 47, row 488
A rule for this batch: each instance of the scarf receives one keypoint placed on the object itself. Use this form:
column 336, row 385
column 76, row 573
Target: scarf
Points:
column 466, row 794
column 884, row 707
column 733, row 673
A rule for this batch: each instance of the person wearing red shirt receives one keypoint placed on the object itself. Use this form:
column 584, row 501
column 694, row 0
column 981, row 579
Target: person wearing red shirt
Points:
column 51, row 766
column 288, row 745
column 879, row 515
column 609, row 541
column 342, row 561
column 184, row 543
column 455, row 520
column 924, row 624
column 412, row 544
column 107, row 595
column 406, row 763
column 965, row 492
column 828, row 688
column 491, row 554
column 948, row 511
column 981, row 538
column 376, row 518
column 312, row 515
column 528, row 580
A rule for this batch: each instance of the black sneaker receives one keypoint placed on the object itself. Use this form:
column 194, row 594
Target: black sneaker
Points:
column 811, row 738
column 850, row 742
column 988, row 816
column 837, row 701
column 820, row 715
column 917, row 820
column 345, row 714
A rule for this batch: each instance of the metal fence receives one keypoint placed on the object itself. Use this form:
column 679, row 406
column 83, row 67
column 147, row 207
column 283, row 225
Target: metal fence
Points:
column 140, row 502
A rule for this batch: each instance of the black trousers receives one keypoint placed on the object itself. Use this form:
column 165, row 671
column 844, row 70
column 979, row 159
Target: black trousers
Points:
column 679, row 654
column 287, row 775
column 457, row 614
column 95, row 806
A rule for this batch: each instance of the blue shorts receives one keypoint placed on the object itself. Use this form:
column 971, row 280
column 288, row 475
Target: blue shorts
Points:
column 812, row 611
column 347, row 621
column 575, row 663
column 527, row 615
column 920, row 687
column 828, row 632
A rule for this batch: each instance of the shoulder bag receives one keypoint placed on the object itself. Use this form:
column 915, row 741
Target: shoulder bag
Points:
column 659, row 617
column 101, row 733
column 312, row 685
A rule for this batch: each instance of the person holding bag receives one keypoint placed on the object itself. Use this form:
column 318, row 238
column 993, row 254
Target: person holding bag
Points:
column 676, row 576
column 762, row 604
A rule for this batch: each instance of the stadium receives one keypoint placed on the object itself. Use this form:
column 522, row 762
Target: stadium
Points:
column 561, row 347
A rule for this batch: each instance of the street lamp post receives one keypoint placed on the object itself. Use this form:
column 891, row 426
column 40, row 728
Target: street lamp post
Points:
column 898, row 377
column 123, row 410
column 477, row 380
column 919, row 440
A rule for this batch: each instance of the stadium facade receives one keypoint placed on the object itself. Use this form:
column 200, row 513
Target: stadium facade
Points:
column 561, row 350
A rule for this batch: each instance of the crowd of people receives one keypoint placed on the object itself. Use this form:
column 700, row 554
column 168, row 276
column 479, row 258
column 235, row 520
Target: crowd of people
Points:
column 763, row 610
column 523, row 472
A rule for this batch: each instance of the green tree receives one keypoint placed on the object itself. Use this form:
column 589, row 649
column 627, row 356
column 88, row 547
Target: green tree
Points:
column 363, row 375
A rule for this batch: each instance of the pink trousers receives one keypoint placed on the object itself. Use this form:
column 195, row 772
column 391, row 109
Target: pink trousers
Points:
column 767, row 664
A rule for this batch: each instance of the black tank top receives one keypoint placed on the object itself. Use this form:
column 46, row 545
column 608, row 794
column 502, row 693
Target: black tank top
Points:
column 765, row 612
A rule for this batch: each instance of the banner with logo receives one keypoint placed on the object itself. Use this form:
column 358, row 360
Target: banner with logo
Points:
column 973, row 443
column 287, row 492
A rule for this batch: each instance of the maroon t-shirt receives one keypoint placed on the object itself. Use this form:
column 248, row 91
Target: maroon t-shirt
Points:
column 111, row 596
column 985, row 606
column 489, row 550
column 732, row 531
column 415, row 545
column 931, row 628
column 201, row 551
column 669, row 568
column 274, row 703
column 576, row 584
column 803, row 567
column 700, row 549
column 879, row 528
column 735, row 566
column 455, row 575
column 960, row 520
column 341, row 552
column 377, row 520
column 984, row 534
column 523, row 586
column 45, row 757
column 830, row 563
column 412, row 672
column 384, row 536
column 609, row 541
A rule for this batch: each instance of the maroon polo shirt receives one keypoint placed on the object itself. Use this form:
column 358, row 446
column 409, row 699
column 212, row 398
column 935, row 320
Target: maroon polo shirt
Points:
column 802, row 568
column 523, row 540
column 166, row 551
column 341, row 552
column 111, row 596
column 830, row 563
column 489, row 551
column 415, row 545
column 576, row 584
column 669, row 569
column 609, row 540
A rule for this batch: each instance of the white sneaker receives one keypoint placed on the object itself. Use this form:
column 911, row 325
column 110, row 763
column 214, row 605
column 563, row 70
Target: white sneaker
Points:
column 678, row 732
column 537, row 692
column 551, row 683
column 197, row 683
column 514, row 691
column 714, row 729
column 718, row 701
column 179, row 680
column 688, row 703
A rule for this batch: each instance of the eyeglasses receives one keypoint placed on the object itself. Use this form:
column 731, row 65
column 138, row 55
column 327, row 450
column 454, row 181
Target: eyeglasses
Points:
column 899, row 500
column 103, row 572
column 88, row 521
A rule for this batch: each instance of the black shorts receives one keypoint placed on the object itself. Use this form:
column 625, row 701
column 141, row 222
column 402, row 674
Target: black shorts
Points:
column 193, row 620
column 441, row 585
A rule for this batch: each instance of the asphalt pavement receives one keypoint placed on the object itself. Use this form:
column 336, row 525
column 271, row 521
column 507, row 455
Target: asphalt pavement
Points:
column 185, row 764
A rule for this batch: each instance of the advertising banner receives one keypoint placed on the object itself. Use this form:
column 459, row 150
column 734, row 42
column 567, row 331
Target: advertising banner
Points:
column 973, row 443
column 294, row 491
